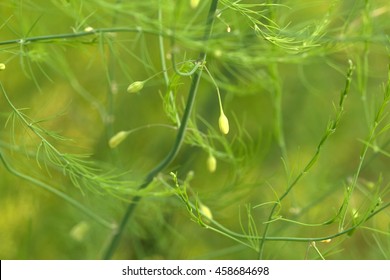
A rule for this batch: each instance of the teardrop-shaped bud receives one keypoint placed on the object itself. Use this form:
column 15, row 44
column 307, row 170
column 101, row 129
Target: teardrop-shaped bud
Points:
column 223, row 123
column 88, row 29
column 2, row 66
column 79, row 231
column 211, row 163
column 194, row 3
column 135, row 87
column 117, row 139
column 205, row 211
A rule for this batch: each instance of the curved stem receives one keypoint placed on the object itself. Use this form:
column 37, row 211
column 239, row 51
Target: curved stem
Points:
column 176, row 146
column 58, row 193
column 184, row 74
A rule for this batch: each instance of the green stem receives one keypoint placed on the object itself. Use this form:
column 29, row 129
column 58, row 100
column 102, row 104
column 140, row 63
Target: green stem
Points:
column 364, row 59
column 96, row 31
column 278, row 99
column 371, row 138
column 329, row 131
column 164, row 64
column 219, row 228
column 176, row 146
column 111, row 79
column 32, row 126
column 183, row 74
column 58, row 193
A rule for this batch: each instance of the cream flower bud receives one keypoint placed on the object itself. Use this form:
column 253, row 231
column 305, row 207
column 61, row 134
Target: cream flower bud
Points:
column 326, row 241
column 79, row 231
column 211, row 163
column 194, row 3
column 223, row 123
column 135, row 87
column 117, row 139
column 88, row 29
column 205, row 211
column 2, row 66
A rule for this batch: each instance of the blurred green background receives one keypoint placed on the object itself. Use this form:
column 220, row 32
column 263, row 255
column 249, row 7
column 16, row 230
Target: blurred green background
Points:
column 280, row 84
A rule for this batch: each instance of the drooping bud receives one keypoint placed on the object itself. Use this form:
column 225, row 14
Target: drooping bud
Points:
column 211, row 163
column 117, row 139
column 2, row 66
column 223, row 123
column 194, row 3
column 135, row 87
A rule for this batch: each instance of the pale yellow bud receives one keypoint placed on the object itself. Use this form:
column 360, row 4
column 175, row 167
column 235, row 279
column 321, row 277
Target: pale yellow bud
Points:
column 2, row 66
column 88, row 29
column 326, row 241
column 194, row 3
column 117, row 139
column 223, row 123
column 135, row 87
column 79, row 231
column 205, row 211
column 355, row 213
column 218, row 53
column 211, row 163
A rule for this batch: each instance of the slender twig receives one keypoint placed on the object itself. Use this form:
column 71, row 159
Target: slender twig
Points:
column 371, row 137
column 112, row 84
column 164, row 64
column 220, row 229
column 177, row 144
column 58, row 193
column 329, row 131
column 65, row 36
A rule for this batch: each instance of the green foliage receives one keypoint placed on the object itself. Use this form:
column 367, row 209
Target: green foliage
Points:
column 145, row 123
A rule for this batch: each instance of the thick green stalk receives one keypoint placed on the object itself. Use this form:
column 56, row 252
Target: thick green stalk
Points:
column 177, row 144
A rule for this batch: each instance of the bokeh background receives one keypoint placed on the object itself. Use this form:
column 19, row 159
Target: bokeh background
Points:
column 280, row 85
